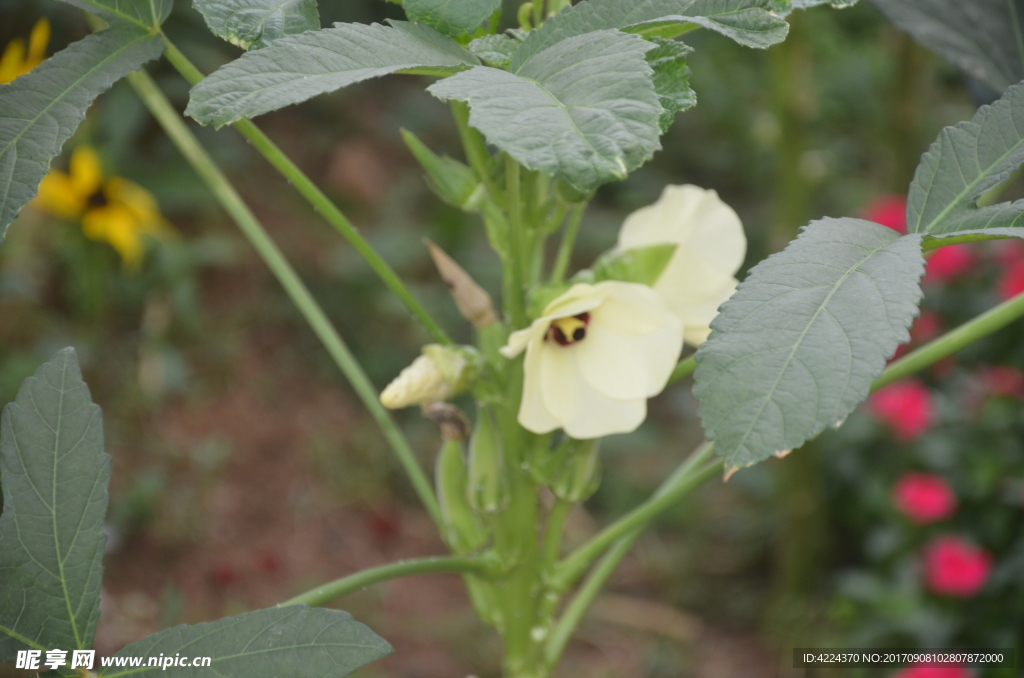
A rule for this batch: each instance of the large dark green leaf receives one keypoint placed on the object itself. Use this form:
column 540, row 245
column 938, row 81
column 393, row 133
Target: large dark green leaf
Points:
column 256, row 23
column 295, row 641
column 142, row 13
column 671, row 79
column 784, row 7
column 799, row 343
column 983, row 37
column 965, row 162
column 748, row 22
column 298, row 67
column 451, row 17
column 40, row 111
column 54, row 474
column 584, row 110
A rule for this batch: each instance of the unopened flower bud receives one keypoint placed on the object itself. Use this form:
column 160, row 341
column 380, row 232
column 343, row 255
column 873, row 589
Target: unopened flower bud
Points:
column 462, row 529
column 452, row 181
column 487, row 490
column 440, row 373
column 581, row 475
column 472, row 300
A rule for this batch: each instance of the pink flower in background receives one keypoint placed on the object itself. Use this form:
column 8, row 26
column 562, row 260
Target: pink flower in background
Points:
column 1002, row 380
column 948, row 262
column 955, row 567
column 924, row 497
column 1010, row 252
column 888, row 210
column 926, row 328
column 933, row 672
column 1012, row 281
column 905, row 406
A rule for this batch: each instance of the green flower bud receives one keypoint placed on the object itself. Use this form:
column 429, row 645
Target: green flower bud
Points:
column 581, row 474
column 463, row 531
column 488, row 489
column 452, row 181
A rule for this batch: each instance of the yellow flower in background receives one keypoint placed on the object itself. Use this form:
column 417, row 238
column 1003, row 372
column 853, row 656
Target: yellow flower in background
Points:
column 594, row 357
column 700, row 277
column 17, row 61
column 113, row 210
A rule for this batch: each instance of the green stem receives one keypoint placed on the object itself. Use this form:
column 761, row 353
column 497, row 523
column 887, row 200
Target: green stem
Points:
column 933, row 243
column 514, row 266
column 684, row 369
column 228, row 197
column 568, row 242
column 320, row 202
column 474, row 146
column 578, row 606
column 684, row 479
column 951, row 342
column 554, row 532
column 322, row 595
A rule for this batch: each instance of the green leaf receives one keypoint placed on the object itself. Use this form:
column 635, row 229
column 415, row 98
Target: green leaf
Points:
column 494, row 50
column 642, row 265
column 785, row 7
column 295, row 641
column 54, row 474
column 40, row 111
column 252, row 24
column 299, row 67
column 141, row 13
column 671, row 79
column 983, row 37
column 584, row 110
column 965, row 162
column 799, row 343
column 748, row 22
column 451, row 17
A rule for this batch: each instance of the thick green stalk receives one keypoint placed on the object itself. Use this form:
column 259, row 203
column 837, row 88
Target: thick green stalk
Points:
column 475, row 147
column 514, row 265
column 565, row 247
column 553, row 533
column 951, row 342
column 322, row 595
column 228, row 197
column 320, row 202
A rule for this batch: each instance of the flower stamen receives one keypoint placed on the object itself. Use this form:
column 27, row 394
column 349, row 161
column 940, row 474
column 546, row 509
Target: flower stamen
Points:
column 570, row 330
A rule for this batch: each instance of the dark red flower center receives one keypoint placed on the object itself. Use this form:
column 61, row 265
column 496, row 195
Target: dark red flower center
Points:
column 568, row 331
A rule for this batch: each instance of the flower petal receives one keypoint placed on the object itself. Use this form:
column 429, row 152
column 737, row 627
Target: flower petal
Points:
column 533, row 414
column 582, row 411
column 57, row 195
column 518, row 340
column 610, row 363
column 86, row 171
column 579, row 298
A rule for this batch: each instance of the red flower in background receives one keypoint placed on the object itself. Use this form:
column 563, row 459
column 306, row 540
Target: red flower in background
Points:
column 1002, row 380
column 888, row 210
column 955, row 567
column 933, row 672
column 924, row 497
column 926, row 328
column 948, row 262
column 905, row 406
column 1011, row 283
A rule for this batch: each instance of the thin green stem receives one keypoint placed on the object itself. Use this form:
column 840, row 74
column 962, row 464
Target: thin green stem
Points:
column 578, row 606
column 933, row 243
column 690, row 474
column 684, row 369
column 320, row 202
column 565, row 247
column 228, row 197
column 474, row 147
column 515, row 264
column 951, row 342
column 322, row 595
column 553, row 533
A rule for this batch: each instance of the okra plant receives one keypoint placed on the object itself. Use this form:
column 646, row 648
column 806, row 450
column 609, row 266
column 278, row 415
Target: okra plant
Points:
column 571, row 98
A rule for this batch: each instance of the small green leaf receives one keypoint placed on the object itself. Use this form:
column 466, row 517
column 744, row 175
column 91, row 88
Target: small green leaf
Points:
column 40, row 111
column 299, row 67
column 797, row 346
column 967, row 161
column 55, row 475
column 295, row 641
column 983, row 37
column 141, row 13
column 252, row 24
column 671, row 79
column 494, row 50
column 642, row 265
column 451, row 17
column 748, row 22
column 785, row 7
column 584, row 110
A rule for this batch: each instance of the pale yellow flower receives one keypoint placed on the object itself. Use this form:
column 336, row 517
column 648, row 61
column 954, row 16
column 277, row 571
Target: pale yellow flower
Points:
column 112, row 210
column 594, row 357
column 17, row 61
column 711, row 247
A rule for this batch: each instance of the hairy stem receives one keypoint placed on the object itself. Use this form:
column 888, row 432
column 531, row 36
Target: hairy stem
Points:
column 229, row 199
column 320, row 202
column 322, row 595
